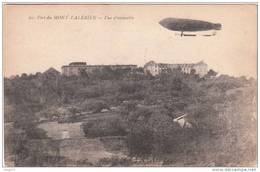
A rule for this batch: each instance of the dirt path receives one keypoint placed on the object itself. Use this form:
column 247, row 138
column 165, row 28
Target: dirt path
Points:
column 55, row 130
column 77, row 146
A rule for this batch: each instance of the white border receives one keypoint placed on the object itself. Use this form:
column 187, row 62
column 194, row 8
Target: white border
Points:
column 128, row 169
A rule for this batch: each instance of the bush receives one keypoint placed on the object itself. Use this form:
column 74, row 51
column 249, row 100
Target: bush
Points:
column 140, row 142
column 130, row 88
column 140, row 114
column 100, row 128
column 89, row 92
column 114, row 162
column 94, row 105
column 36, row 133
column 127, row 108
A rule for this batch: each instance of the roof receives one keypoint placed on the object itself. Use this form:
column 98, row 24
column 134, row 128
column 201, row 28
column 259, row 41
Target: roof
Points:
column 180, row 117
column 129, row 65
column 78, row 64
column 162, row 65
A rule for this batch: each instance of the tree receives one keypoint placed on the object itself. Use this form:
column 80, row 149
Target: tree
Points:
column 211, row 73
column 140, row 141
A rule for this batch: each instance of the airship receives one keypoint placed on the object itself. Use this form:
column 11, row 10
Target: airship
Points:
column 189, row 25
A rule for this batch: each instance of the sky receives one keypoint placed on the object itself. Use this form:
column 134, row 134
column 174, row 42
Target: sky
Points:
column 33, row 40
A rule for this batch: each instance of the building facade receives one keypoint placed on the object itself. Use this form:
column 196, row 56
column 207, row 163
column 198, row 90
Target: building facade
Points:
column 154, row 68
column 75, row 68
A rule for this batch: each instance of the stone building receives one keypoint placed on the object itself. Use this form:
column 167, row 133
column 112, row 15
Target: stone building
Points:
column 154, row 68
column 75, row 68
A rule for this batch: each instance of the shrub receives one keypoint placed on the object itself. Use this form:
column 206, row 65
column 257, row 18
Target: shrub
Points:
column 89, row 92
column 140, row 142
column 100, row 128
column 115, row 161
column 94, row 105
column 130, row 88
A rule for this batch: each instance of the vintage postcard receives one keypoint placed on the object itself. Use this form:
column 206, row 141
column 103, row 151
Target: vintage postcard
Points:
column 130, row 85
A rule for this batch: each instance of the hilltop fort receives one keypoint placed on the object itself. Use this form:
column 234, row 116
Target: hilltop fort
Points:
column 200, row 68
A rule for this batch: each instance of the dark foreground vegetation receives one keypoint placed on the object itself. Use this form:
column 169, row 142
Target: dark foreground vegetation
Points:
column 221, row 111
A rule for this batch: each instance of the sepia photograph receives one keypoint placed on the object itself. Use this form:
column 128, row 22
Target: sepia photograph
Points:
column 129, row 85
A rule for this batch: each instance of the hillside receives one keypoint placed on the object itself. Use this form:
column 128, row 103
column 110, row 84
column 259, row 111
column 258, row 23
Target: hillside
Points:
column 219, row 129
